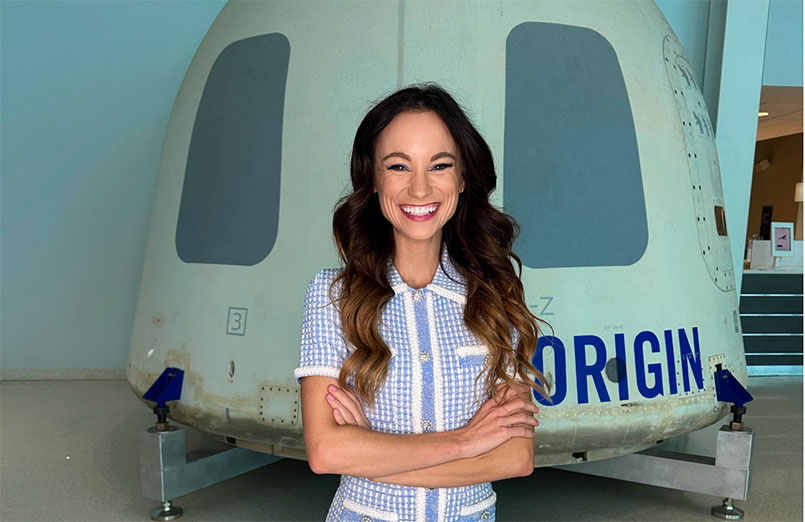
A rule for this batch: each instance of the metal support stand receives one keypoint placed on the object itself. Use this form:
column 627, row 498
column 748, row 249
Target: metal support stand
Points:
column 725, row 476
column 167, row 473
column 727, row 511
column 167, row 512
column 166, row 470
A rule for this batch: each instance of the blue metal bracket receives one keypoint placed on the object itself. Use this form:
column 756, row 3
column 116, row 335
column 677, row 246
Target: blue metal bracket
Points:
column 728, row 389
column 167, row 387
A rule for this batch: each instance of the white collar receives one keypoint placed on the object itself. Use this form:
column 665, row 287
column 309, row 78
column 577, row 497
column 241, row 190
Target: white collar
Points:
column 447, row 281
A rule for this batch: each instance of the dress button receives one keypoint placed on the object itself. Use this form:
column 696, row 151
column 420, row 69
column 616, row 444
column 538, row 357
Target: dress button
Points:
column 417, row 295
column 424, row 357
column 485, row 515
column 365, row 518
column 427, row 425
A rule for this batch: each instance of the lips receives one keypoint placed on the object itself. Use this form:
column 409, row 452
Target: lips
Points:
column 420, row 212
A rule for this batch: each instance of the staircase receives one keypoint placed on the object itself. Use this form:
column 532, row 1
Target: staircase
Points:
column 771, row 321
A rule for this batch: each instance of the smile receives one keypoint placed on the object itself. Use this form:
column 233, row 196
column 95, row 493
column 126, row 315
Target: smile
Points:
column 420, row 212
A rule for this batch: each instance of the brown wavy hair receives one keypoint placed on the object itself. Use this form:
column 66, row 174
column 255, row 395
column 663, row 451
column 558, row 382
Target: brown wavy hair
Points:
column 364, row 239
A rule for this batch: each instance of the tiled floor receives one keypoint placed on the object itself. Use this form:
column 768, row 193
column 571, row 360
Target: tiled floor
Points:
column 95, row 423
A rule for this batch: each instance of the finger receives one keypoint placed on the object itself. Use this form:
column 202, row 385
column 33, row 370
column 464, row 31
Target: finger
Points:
column 502, row 395
column 515, row 405
column 508, row 393
column 503, row 389
column 525, row 433
column 342, row 394
column 525, row 403
column 522, row 390
column 348, row 398
column 521, row 418
column 348, row 416
column 338, row 418
column 523, row 425
column 344, row 409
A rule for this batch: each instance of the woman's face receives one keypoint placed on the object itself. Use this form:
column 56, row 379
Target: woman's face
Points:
column 417, row 176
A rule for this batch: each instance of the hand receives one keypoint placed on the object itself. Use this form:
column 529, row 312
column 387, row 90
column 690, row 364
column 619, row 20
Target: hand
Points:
column 494, row 424
column 347, row 409
column 522, row 390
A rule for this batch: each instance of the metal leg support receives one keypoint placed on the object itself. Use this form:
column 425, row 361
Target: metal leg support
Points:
column 166, row 472
column 726, row 476
column 168, row 512
column 727, row 511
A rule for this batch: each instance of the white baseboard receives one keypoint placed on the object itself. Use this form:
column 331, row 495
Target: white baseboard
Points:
column 23, row 374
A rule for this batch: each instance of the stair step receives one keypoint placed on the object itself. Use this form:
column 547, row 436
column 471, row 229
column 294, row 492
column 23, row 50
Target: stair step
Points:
column 772, row 343
column 771, row 304
column 771, row 323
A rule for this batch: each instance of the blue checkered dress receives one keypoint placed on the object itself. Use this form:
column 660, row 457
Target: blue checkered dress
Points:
column 429, row 387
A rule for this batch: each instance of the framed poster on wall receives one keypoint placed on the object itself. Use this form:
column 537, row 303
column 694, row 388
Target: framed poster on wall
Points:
column 782, row 237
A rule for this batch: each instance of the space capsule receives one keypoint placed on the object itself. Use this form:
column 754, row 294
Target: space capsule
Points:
column 605, row 156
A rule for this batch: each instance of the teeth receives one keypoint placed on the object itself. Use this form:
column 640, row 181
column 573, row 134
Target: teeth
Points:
column 419, row 211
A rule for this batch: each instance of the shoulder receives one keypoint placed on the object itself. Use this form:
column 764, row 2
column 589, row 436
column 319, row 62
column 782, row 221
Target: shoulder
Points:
column 318, row 290
column 325, row 276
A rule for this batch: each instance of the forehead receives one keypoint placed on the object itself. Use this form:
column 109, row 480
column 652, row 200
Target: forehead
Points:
column 415, row 132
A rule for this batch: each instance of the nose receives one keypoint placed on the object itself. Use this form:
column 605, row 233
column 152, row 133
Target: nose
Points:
column 420, row 186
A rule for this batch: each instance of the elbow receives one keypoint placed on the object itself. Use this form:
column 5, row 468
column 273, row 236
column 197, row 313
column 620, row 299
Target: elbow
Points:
column 316, row 460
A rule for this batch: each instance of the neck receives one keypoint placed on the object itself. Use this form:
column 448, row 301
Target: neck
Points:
column 418, row 261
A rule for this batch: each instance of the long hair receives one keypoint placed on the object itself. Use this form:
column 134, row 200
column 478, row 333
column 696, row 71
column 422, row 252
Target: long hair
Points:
column 364, row 239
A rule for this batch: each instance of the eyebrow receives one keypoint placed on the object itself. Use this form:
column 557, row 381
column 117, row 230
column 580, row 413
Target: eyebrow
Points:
column 408, row 158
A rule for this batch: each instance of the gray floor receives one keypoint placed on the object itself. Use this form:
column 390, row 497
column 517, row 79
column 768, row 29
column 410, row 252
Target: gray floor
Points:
column 95, row 423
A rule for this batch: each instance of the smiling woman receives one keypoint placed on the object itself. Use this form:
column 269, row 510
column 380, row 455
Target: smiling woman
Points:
column 395, row 342
column 415, row 186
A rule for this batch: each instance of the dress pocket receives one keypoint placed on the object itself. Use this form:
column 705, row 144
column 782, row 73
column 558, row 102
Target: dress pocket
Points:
column 483, row 510
column 355, row 512
column 472, row 355
column 472, row 359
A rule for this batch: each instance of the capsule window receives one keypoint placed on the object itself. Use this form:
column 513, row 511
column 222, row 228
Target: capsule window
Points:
column 572, row 174
column 229, row 209
column 721, row 221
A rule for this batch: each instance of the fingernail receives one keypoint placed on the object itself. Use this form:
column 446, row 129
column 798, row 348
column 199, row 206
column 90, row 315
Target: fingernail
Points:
column 336, row 411
column 331, row 388
column 330, row 396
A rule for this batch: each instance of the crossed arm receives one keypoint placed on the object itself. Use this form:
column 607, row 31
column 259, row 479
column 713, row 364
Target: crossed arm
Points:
column 497, row 443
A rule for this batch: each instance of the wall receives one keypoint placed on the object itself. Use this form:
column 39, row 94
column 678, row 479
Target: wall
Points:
column 783, row 64
column 775, row 185
column 86, row 89
column 689, row 21
column 86, row 92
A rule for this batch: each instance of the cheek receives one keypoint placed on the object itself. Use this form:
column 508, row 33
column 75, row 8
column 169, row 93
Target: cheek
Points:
column 450, row 209
column 387, row 207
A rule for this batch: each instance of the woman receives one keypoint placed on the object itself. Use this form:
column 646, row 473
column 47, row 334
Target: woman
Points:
column 395, row 343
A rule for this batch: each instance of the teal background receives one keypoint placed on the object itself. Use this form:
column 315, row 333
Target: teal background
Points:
column 86, row 90
column 783, row 55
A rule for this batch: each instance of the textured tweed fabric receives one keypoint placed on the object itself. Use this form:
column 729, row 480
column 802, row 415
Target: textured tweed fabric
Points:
column 430, row 387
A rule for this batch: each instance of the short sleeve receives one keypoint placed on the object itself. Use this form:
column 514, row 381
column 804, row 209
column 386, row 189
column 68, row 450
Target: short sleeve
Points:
column 323, row 349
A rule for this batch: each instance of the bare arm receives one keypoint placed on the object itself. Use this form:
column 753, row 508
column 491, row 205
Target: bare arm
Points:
column 513, row 458
column 357, row 451
column 352, row 450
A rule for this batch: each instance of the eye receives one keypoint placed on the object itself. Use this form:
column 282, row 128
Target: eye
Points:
column 441, row 166
column 397, row 167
